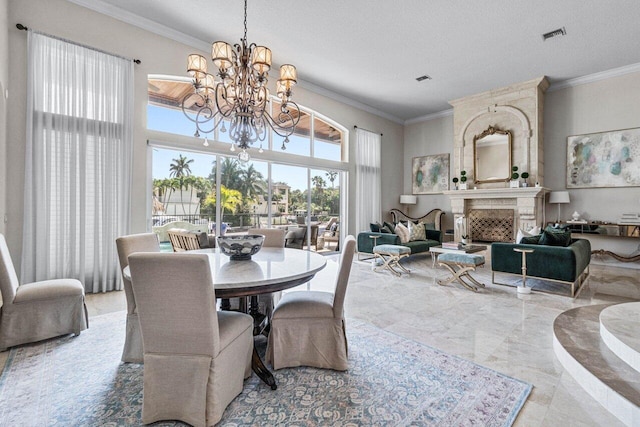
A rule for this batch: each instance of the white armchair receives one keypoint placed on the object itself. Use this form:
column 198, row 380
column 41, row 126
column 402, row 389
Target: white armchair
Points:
column 39, row 310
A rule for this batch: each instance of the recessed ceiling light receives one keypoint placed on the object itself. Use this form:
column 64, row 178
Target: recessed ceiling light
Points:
column 554, row 33
column 421, row 78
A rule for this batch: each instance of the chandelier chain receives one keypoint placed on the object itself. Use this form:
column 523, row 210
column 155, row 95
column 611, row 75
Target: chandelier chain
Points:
column 245, row 21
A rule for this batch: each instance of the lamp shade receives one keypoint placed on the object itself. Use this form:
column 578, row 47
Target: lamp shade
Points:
column 196, row 65
column 407, row 199
column 559, row 197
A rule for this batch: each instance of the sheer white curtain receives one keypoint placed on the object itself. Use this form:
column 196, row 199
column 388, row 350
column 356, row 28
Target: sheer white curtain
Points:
column 368, row 179
column 78, row 162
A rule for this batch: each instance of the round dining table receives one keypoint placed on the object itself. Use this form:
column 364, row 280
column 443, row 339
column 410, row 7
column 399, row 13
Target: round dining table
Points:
column 270, row 270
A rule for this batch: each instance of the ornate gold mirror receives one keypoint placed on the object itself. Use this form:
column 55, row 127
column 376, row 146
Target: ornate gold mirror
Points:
column 492, row 155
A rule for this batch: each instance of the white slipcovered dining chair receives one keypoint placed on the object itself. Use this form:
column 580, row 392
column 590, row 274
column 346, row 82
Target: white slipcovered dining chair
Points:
column 308, row 327
column 273, row 237
column 126, row 245
column 39, row 310
column 195, row 358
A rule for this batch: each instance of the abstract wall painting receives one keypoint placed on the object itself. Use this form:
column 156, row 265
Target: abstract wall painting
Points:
column 430, row 174
column 604, row 159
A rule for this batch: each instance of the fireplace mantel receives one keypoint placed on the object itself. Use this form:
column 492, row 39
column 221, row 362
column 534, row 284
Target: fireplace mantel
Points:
column 497, row 193
column 527, row 204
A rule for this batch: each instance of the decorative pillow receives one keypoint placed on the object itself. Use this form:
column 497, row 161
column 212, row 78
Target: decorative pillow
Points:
column 390, row 226
column 558, row 238
column 416, row 232
column 530, row 240
column 203, row 239
column 535, row 231
column 385, row 230
column 429, row 225
column 403, row 233
column 375, row 227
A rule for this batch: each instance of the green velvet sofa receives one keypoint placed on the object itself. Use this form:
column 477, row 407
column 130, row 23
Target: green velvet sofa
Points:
column 433, row 219
column 565, row 264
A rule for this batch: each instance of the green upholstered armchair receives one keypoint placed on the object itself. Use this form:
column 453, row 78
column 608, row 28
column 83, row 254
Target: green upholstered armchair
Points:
column 564, row 264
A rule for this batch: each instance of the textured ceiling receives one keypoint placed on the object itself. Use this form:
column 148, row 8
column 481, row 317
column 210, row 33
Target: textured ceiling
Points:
column 372, row 50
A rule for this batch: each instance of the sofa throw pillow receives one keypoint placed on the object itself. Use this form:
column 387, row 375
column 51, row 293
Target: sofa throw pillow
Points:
column 530, row 240
column 535, row 231
column 559, row 238
column 385, row 230
column 429, row 225
column 390, row 226
column 375, row 227
column 402, row 232
column 416, row 232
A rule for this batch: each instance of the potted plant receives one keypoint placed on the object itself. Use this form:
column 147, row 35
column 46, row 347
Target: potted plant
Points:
column 524, row 176
column 455, row 182
column 514, row 183
column 463, row 180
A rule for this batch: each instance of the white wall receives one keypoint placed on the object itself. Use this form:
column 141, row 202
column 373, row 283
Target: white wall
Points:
column 159, row 55
column 593, row 107
column 431, row 137
column 4, row 81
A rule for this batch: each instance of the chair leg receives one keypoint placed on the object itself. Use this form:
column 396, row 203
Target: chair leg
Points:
column 460, row 275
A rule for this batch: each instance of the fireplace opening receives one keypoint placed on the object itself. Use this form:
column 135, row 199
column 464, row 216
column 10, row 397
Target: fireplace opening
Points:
column 491, row 225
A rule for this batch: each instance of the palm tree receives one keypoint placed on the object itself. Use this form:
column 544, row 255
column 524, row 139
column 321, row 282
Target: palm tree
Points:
column 318, row 182
column 180, row 167
column 230, row 173
column 332, row 175
column 252, row 183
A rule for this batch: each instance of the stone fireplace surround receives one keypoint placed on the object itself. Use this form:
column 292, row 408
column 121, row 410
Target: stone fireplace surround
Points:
column 527, row 205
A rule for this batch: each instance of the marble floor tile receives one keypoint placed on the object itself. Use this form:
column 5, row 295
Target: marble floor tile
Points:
column 494, row 327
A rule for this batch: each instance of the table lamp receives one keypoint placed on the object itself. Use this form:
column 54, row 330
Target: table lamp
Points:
column 408, row 199
column 559, row 197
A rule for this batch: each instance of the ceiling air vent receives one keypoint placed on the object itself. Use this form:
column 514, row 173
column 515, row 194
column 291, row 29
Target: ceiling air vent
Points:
column 421, row 78
column 554, row 33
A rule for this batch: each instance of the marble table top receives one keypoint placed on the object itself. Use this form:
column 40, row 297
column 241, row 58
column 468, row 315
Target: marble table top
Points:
column 270, row 270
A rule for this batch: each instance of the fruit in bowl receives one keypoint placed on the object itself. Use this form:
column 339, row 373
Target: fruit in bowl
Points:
column 240, row 247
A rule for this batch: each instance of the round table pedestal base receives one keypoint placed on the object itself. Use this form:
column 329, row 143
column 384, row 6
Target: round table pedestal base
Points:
column 524, row 290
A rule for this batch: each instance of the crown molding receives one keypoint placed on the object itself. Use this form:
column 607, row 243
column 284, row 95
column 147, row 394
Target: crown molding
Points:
column 144, row 23
column 164, row 31
column 427, row 117
column 591, row 78
column 345, row 100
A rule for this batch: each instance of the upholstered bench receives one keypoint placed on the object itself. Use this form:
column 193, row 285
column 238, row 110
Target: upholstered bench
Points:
column 391, row 256
column 460, row 264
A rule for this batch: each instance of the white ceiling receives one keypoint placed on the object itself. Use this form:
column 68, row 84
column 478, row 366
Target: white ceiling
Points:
column 371, row 51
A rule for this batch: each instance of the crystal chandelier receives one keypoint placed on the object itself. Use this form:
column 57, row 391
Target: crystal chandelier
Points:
column 238, row 93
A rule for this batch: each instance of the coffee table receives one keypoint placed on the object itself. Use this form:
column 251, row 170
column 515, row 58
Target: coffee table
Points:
column 468, row 249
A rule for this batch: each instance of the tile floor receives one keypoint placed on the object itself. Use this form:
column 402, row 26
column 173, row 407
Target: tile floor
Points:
column 493, row 327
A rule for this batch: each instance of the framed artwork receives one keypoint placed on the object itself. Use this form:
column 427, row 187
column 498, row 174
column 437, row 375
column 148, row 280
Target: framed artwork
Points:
column 604, row 159
column 430, row 174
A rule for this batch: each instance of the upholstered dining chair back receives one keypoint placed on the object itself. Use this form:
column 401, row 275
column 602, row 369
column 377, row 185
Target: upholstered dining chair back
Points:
column 8, row 278
column 127, row 245
column 308, row 327
column 39, row 310
column 195, row 358
column 346, row 260
column 273, row 237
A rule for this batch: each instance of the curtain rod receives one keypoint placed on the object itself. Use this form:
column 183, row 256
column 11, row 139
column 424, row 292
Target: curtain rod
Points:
column 356, row 127
column 22, row 27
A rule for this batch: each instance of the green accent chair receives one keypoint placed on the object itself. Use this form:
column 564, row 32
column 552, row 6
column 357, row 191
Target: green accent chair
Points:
column 564, row 264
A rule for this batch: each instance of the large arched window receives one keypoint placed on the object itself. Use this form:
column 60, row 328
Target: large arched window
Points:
column 203, row 186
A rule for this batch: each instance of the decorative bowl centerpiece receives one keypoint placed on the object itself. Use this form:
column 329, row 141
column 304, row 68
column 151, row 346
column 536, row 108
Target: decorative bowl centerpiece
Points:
column 240, row 247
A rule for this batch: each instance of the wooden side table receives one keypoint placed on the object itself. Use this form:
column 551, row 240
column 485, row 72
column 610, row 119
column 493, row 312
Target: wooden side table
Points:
column 523, row 288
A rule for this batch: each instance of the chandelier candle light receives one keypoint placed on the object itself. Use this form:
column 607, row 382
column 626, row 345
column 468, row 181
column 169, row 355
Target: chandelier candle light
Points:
column 239, row 93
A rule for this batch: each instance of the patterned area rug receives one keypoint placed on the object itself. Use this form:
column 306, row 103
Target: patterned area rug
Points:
column 391, row 381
